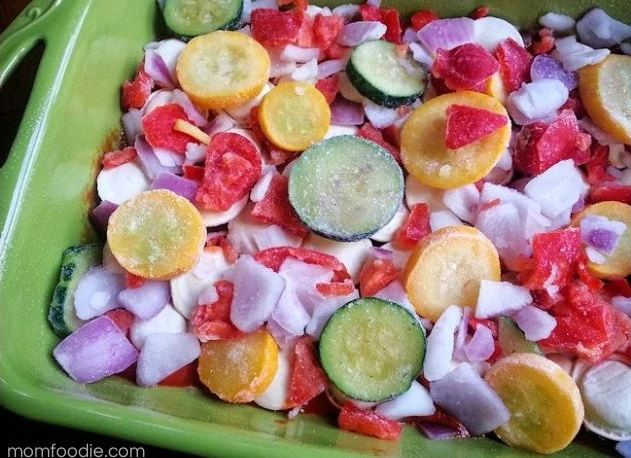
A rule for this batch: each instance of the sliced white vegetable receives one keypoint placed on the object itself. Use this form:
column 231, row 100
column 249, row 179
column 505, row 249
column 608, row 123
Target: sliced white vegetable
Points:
column 217, row 218
column 416, row 192
column 186, row 288
column 557, row 22
column 499, row 298
column 536, row 100
column 167, row 321
column 119, row 184
column 289, row 313
column 576, row 55
column 170, row 51
column 132, row 125
column 275, row 396
column 307, row 72
column 256, row 291
column 351, row 254
column 400, row 256
column 380, row 117
column 274, row 236
column 293, row 53
column 600, row 30
column 414, row 402
column 335, row 131
column 97, row 293
column 323, row 312
column 261, row 186
column 463, row 201
column 443, row 218
column 147, row 300
column 155, row 100
column 537, row 324
column 386, row 233
column 481, row 346
column 347, row 11
column 446, row 33
column 163, row 354
column 440, row 344
column 348, row 91
column 241, row 231
column 489, row 31
column 355, row 33
column 622, row 303
column 469, row 398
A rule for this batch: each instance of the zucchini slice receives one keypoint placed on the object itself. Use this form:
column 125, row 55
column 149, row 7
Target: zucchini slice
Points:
column 381, row 74
column 345, row 188
column 190, row 18
column 512, row 339
column 75, row 262
column 372, row 349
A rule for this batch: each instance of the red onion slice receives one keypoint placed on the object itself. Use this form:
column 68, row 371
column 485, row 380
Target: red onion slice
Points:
column 499, row 298
column 157, row 69
column 537, row 324
column 96, row 350
column 346, row 113
column 599, row 30
column 179, row 185
column 193, row 113
column 462, row 334
column 481, row 346
column 97, row 293
column 163, row 354
column 440, row 431
column 547, row 67
column 330, row 67
column 356, row 33
column 446, row 33
column 100, row 215
column 148, row 159
column 601, row 233
column 147, row 300
column 221, row 123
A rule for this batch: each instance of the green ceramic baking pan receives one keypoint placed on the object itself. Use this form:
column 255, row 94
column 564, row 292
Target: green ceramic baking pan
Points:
column 46, row 190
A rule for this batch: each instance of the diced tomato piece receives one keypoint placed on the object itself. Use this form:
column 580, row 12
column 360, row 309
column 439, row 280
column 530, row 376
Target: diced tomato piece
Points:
column 337, row 288
column 465, row 67
column 370, row 132
column 275, row 208
column 122, row 318
column 135, row 93
column 368, row 422
column 544, row 44
column 184, row 376
column 193, row 172
column 514, row 63
column 376, row 274
column 480, row 12
column 277, row 28
column 336, row 51
column 597, row 165
column 466, row 124
column 326, row 29
column 587, row 326
column 158, row 127
column 212, row 321
column 329, row 87
column 118, row 157
column 390, row 17
column 555, row 255
column 302, row 4
column 421, row 18
column 594, row 284
column 133, row 281
column 369, row 13
column 415, row 227
column 229, row 251
column 610, row 191
column 274, row 258
column 540, row 146
column 307, row 377
column 232, row 166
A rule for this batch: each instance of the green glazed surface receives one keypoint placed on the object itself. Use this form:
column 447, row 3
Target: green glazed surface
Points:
column 46, row 189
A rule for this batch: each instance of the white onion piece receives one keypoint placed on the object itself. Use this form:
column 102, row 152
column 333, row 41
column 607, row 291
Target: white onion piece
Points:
column 416, row 192
column 195, row 153
column 132, row 125
column 557, row 22
column 601, row 233
column 275, row 395
column 256, row 291
column 168, row 158
column 167, row 321
column 147, row 300
column 394, row 292
column 274, row 236
column 499, row 298
column 347, row 11
column 557, row 189
column 209, row 295
column 221, row 123
column 94, row 351
column 313, row 10
column 97, row 293
column 440, row 344
column 157, row 69
column 330, row 67
column 576, row 55
column 323, row 311
column 262, row 185
column 356, row 33
column 536, row 100
column 170, row 51
column 121, row 183
column 386, row 233
column 443, row 218
column 490, row 31
column 278, row 66
column 241, row 229
column 420, row 55
column 463, row 201
column 304, row 278
column 163, row 354
column 193, row 113
column 409, row 36
column 481, row 345
column 462, row 335
column 599, row 30
column 622, row 303
column 379, row 116
column 466, row 396
column 446, row 33
column 416, row 401
column 217, row 218
column 400, row 256
column 289, row 312
column 491, row 192
column 537, row 324
column 155, row 100
column 335, row 131
column 351, row 254
column 307, row 72
column 599, row 135
column 293, row 53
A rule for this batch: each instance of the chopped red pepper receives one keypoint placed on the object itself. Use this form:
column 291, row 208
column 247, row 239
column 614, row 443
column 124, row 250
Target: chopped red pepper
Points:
column 277, row 28
column 376, row 274
column 415, row 228
column 329, row 87
column 159, row 128
column 326, row 29
column 369, row 13
column 212, row 321
column 480, row 12
column 274, row 258
column 307, row 377
column 369, row 132
column 113, row 159
column 135, row 93
column 466, row 124
column 465, row 67
column 390, row 18
column 421, row 18
column 368, row 422
column 514, row 63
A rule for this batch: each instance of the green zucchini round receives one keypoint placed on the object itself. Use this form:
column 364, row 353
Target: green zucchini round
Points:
column 190, row 18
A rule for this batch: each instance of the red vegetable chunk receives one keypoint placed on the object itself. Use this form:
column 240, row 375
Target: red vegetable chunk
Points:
column 276, row 28
column 212, row 321
column 466, row 125
column 465, row 67
column 376, row 274
column 233, row 164
column 368, row 422
column 390, row 18
column 118, row 157
column 421, row 18
column 135, row 93
column 514, row 63
column 274, row 258
column 158, row 127
column 307, row 377
column 329, row 87
column 326, row 29
column 416, row 227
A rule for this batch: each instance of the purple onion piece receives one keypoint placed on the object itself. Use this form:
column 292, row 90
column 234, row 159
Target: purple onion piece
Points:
column 96, row 350
column 330, row 67
column 446, row 33
column 601, row 233
column 346, row 113
column 536, row 324
column 100, row 215
column 191, row 110
column 148, row 159
column 439, row 431
column 546, row 67
column 97, row 293
column 221, row 123
column 179, row 185
column 157, row 69
column 599, row 30
column 356, row 33
column 147, row 300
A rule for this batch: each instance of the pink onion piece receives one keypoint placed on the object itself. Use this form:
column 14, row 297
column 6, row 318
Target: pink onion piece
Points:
column 462, row 334
column 546, row 67
column 537, row 324
column 97, row 293
column 440, row 344
column 289, row 312
column 132, row 125
column 100, row 215
column 96, row 350
column 356, row 33
column 500, row 297
column 536, row 101
column 253, row 280
column 195, row 153
column 446, row 33
column 381, row 253
column 409, row 36
column 283, row 338
column 420, row 54
column 274, row 236
column 601, row 233
column 481, row 346
column 293, row 53
column 147, row 300
column 346, row 113
column 193, row 113
column 330, row 67
column 599, row 30
column 221, row 123
column 466, row 396
column 622, row 303
column 163, row 354
column 463, row 201
column 157, row 69
column 169, row 158
column 179, row 185
column 148, row 159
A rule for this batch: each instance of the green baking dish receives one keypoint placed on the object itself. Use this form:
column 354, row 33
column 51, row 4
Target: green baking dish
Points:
column 46, row 189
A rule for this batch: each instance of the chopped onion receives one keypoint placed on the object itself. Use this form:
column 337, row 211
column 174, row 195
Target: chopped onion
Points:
column 147, row 300
column 387, row 232
column 221, row 123
column 346, row 113
column 121, row 183
column 394, row 292
column 442, row 431
column 155, row 100
column 481, row 346
column 599, row 30
column 490, row 31
column 379, row 116
column 443, row 218
column 440, row 344
column 330, row 67
column 96, row 350
column 622, row 303
column 420, row 55
column 499, row 298
column 195, row 153
column 167, row 321
column 347, row 11
column 416, row 192
column 157, row 69
column 574, row 55
column 97, row 293
column 415, row 402
column 323, row 311
column 289, row 312
column 557, row 22
column 132, row 125
column 356, row 33
column 601, row 233
column 293, row 53
column 536, row 100
column 169, row 158
column 274, row 236
column 148, row 159
column 599, row 135
column 100, row 215
column 463, row 201
column 446, row 33
column 208, row 295
column 546, row 67
column 163, row 354
column 262, row 185
column 624, row 448
column 193, row 113
column 409, row 36
column 351, row 254
column 307, row 72
column 177, row 184
column 537, row 324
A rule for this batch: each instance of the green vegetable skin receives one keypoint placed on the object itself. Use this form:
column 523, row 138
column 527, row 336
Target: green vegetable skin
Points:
column 190, row 18
column 75, row 262
column 372, row 349
column 512, row 339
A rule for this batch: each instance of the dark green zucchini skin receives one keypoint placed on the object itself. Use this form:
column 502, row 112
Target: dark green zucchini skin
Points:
column 172, row 11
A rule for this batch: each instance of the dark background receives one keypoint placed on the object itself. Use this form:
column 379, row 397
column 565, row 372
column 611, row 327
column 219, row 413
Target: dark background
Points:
column 18, row 431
